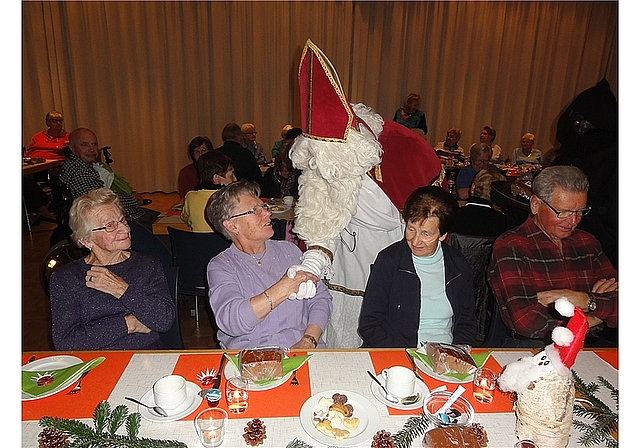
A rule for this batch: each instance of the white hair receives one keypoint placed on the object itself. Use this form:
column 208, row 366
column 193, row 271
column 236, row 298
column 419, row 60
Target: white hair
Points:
column 331, row 177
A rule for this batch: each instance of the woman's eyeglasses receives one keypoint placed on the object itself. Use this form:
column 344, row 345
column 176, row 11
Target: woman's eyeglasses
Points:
column 254, row 211
column 111, row 226
column 564, row 214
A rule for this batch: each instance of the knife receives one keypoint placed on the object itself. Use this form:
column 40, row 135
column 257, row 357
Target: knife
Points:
column 413, row 365
column 218, row 377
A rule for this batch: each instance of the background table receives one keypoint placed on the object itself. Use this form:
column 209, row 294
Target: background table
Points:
column 132, row 374
column 37, row 167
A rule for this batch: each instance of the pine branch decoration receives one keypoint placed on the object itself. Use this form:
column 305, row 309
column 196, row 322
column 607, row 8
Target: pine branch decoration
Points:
column 297, row 443
column 413, row 427
column 604, row 428
column 81, row 435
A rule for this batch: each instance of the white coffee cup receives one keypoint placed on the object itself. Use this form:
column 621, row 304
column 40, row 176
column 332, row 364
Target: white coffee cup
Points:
column 169, row 392
column 288, row 201
column 399, row 381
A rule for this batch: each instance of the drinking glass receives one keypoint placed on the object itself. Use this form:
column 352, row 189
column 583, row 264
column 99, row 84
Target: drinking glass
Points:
column 237, row 394
column 484, row 385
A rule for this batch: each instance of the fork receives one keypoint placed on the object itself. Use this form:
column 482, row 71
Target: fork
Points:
column 294, row 380
column 76, row 389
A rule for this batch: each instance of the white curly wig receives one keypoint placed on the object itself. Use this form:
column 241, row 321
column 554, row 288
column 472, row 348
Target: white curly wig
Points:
column 332, row 175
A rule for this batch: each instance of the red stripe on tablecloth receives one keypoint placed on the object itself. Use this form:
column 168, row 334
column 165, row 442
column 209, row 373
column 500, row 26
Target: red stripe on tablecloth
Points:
column 96, row 386
column 501, row 402
column 610, row 356
column 282, row 401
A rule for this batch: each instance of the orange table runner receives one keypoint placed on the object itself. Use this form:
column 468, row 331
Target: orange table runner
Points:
column 501, row 402
column 610, row 356
column 274, row 402
column 96, row 386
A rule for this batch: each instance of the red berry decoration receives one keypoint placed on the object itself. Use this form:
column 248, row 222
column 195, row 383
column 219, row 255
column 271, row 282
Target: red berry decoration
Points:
column 255, row 432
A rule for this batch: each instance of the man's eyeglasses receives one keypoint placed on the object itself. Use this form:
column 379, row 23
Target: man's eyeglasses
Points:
column 111, row 226
column 254, row 211
column 564, row 214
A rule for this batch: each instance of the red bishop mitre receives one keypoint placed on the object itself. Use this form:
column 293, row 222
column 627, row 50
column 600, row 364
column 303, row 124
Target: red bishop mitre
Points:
column 408, row 162
column 326, row 112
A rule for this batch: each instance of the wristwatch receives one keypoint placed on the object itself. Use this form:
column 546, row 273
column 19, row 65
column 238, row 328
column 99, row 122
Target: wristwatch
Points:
column 592, row 302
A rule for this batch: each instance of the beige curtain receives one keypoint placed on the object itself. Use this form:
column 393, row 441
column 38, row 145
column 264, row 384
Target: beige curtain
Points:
column 147, row 77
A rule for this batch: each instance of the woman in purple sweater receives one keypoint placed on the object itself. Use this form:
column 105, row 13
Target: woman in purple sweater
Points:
column 112, row 299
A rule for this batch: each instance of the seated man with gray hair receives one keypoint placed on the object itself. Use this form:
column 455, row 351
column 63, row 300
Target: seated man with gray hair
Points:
column 547, row 258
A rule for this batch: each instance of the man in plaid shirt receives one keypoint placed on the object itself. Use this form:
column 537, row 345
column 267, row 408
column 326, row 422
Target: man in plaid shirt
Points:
column 82, row 173
column 547, row 257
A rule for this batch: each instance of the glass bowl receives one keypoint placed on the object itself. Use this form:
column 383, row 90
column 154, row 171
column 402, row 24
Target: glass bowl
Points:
column 459, row 414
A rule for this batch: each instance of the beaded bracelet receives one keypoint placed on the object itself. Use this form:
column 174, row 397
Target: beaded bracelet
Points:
column 270, row 301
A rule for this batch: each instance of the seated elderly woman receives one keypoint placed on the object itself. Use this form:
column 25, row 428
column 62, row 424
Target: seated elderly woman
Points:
column 420, row 288
column 526, row 154
column 188, row 176
column 249, row 288
column 114, row 298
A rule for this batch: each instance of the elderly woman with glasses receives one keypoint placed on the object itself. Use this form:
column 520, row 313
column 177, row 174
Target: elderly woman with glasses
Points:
column 252, row 298
column 114, row 298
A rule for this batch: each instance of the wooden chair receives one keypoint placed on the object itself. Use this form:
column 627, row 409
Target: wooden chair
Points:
column 191, row 253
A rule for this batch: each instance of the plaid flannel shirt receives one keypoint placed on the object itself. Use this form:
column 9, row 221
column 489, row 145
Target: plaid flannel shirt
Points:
column 80, row 178
column 525, row 261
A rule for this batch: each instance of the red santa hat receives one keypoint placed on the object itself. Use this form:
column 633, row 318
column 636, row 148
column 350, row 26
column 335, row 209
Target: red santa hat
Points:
column 569, row 340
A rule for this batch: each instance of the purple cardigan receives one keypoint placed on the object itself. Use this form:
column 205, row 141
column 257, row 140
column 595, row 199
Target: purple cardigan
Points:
column 83, row 318
column 235, row 277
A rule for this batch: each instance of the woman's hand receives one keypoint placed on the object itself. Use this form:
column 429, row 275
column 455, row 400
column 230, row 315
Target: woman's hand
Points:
column 134, row 325
column 265, row 302
column 104, row 280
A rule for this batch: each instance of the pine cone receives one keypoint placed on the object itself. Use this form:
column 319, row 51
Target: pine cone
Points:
column 383, row 439
column 52, row 438
column 255, row 432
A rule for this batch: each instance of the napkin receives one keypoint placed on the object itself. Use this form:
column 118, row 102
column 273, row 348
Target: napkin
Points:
column 61, row 377
column 478, row 358
column 288, row 365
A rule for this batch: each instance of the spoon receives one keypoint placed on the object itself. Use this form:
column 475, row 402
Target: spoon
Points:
column 157, row 409
column 410, row 399
column 391, row 398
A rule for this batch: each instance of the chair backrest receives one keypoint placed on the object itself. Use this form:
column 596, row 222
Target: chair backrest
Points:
column 172, row 339
column 477, row 251
column 192, row 251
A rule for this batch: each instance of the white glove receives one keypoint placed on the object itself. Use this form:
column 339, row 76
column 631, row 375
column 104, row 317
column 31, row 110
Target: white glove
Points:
column 306, row 290
column 317, row 263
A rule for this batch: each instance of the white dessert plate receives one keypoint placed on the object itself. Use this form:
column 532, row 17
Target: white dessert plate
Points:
column 362, row 408
column 230, row 371
column 446, row 378
column 52, row 363
column 379, row 395
column 189, row 405
column 279, row 208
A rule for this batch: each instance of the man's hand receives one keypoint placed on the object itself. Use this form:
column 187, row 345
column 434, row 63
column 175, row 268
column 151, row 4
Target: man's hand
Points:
column 605, row 285
column 578, row 298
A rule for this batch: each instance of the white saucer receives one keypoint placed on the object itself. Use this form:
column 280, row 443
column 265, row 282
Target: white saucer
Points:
column 379, row 395
column 189, row 405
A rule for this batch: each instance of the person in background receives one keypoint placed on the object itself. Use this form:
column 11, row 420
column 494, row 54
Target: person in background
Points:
column 278, row 144
column 250, row 293
column 420, row 288
column 249, row 134
column 480, row 155
column 526, row 154
column 410, row 115
column 282, row 179
column 548, row 257
column 478, row 216
column 114, row 298
column 215, row 170
column 83, row 172
column 188, row 176
column 246, row 166
column 48, row 144
column 487, row 136
column 450, row 143
column 293, row 133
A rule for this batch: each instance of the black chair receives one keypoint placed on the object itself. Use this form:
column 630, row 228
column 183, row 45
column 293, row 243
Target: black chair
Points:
column 172, row 339
column 191, row 253
column 477, row 251
column 61, row 253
